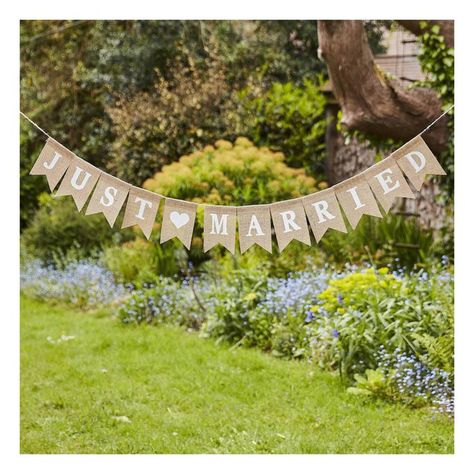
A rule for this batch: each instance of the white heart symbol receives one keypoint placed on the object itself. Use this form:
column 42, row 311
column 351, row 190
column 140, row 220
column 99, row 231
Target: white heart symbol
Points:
column 179, row 219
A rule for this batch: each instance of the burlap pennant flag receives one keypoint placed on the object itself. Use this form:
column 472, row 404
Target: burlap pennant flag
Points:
column 289, row 221
column 78, row 182
column 255, row 227
column 323, row 212
column 381, row 183
column 219, row 227
column 387, row 182
column 416, row 160
column 356, row 199
column 108, row 197
column 178, row 221
column 52, row 162
column 141, row 210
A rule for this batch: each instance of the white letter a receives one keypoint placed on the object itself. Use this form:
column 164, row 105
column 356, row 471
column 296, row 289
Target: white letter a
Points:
column 254, row 225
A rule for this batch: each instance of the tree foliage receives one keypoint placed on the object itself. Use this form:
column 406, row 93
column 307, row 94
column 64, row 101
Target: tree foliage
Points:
column 437, row 60
column 58, row 229
column 181, row 114
column 83, row 82
column 289, row 118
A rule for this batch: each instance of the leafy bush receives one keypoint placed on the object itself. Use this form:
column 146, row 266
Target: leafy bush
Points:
column 184, row 113
column 84, row 283
column 226, row 173
column 232, row 306
column 361, row 311
column 185, row 92
column 234, row 174
column 437, row 61
column 289, row 118
column 283, row 311
column 166, row 301
column 57, row 229
column 140, row 261
column 393, row 240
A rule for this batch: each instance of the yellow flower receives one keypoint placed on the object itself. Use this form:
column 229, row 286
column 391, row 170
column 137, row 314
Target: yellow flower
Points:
column 250, row 296
column 243, row 142
column 223, row 144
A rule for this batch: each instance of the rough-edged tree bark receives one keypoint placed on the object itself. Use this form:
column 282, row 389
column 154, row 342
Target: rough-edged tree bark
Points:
column 369, row 100
column 345, row 157
column 446, row 28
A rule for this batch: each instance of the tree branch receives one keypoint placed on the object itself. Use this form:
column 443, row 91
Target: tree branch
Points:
column 446, row 28
column 369, row 100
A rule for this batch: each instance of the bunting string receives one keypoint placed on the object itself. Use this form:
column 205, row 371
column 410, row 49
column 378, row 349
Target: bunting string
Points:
column 348, row 201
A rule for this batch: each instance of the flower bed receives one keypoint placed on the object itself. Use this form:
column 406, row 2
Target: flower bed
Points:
column 337, row 320
column 85, row 283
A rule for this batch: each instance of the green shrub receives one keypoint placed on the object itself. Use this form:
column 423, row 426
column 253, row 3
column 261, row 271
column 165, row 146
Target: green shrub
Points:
column 141, row 261
column 181, row 114
column 362, row 311
column 296, row 257
column 438, row 350
column 231, row 174
column 226, row 174
column 165, row 302
column 290, row 338
column 372, row 383
column 232, row 306
column 395, row 239
column 437, row 61
column 289, row 118
column 59, row 232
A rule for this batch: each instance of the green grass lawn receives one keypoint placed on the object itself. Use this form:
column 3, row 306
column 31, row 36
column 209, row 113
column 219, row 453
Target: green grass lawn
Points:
column 117, row 389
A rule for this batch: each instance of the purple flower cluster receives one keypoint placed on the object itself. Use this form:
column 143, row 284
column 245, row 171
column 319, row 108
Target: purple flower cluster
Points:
column 83, row 283
column 297, row 292
column 416, row 383
column 294, row 293
column 169, row 301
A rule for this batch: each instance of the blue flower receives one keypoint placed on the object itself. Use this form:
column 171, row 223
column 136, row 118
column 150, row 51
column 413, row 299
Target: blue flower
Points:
column 309, row 317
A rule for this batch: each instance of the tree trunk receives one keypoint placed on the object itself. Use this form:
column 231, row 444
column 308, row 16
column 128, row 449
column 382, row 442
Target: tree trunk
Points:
column 369, row 100
column 344, row 158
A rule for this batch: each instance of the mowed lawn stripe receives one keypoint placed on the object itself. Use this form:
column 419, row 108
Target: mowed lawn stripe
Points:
column 116, row 389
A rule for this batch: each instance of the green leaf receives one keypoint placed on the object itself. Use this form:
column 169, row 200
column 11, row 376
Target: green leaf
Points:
column 448, row 61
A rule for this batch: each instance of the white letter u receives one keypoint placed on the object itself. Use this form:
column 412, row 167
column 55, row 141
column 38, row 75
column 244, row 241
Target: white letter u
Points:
column 75, row 177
